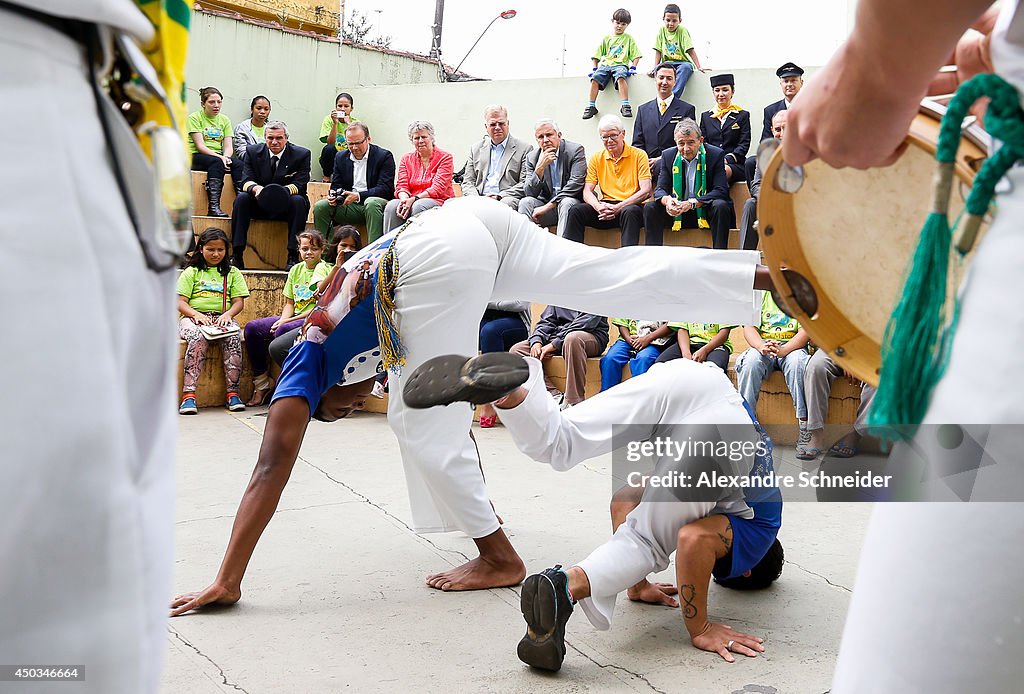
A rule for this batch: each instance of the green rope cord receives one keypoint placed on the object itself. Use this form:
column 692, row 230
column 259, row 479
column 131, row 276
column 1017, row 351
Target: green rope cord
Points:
column 918, row 338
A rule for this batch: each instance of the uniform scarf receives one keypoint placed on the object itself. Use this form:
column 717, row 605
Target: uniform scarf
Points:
column 717, row 115
column 700, row 181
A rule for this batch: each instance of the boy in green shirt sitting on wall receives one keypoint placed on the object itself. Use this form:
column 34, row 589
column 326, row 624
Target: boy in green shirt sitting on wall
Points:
column 673, row 46
column 615, row 60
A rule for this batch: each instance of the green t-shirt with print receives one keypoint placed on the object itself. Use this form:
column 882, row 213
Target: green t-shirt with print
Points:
column 204, row 289
column 301, row 284
column 340, row 143
column 673, row 45
column 258, row 133
column 775, row 325
column 214, row 130
column 617, row 50
column 702, row 333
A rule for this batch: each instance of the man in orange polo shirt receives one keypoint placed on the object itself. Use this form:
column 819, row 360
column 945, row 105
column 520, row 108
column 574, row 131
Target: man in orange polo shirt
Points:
column 623, row 175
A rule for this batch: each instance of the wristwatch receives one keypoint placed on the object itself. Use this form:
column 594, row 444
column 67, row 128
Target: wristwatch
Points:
column 693, row 202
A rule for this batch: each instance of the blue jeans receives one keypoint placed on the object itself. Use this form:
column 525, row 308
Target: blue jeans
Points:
column 605, row 74
column 620, row 354
column 499, row 334
column 752, row 368
column 683, row 72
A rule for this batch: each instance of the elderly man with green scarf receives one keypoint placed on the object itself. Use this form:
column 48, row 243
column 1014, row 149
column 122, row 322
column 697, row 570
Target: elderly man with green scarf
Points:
column 693, row 191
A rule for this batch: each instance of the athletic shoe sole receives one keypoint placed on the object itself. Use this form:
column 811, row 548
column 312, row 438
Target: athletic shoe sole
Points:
column 546, row 608
column 455, row 378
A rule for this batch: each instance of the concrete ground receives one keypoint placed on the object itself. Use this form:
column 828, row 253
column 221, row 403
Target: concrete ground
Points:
column 334, row 599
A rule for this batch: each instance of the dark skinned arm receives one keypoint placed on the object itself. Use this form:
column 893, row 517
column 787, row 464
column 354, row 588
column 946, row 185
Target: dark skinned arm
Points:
column 286, row 427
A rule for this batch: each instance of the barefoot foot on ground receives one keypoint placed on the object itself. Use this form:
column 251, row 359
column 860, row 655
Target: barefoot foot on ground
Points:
column 480, row 574
column 653, row 593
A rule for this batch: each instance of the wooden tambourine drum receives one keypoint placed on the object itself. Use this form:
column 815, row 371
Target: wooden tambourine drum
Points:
column 838, row 241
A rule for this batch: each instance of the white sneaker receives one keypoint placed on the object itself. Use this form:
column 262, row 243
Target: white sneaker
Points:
column 378, row 390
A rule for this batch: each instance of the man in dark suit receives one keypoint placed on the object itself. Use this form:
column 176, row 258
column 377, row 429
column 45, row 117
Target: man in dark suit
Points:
column 727, row 126
column 699, row 198
column 279, row 164
column 362, row 183
column 553, row 176
column 748, row 233
column 657, row 119
column 791, row 78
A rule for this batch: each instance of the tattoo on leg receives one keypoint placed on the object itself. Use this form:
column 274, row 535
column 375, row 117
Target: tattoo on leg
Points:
column 726, row 538
column 688, row 592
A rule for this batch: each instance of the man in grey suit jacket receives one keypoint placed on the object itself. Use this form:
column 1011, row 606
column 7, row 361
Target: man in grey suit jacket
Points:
column 553, row 175
column 495, row 165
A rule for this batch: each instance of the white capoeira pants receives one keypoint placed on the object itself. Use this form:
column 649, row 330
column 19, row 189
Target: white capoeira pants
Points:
column 457, row 258
column 938, row 603
column 669, row 397
column 86, row 479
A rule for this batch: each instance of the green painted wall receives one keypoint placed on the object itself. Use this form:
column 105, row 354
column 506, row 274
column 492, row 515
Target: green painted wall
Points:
column 300, row 74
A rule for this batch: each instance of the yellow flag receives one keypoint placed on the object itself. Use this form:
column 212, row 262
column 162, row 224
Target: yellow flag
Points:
column 167, row 53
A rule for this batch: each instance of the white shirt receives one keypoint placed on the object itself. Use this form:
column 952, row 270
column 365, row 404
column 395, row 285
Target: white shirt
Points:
column 121, row 14
column 359, row 173
column 1008, row 44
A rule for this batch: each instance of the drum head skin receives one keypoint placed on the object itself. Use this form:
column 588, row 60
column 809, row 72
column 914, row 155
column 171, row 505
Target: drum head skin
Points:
column 839, row 246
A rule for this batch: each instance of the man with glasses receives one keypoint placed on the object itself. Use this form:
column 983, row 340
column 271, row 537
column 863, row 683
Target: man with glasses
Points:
column 274, row 182
column 361, row 185
column 495, row 163
column 623, row 174
column 87, row 480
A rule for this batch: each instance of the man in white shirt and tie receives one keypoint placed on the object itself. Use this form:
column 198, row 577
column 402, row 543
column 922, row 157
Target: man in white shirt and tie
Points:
column 656, row 119
column 495, row 164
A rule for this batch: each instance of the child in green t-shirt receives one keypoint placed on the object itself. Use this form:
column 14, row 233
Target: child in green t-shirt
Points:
column 778, row 343
column 701, row 342
column 299, row 299
column 673, row 46
column 210, row 292
column 614, row 61
column 639, row 344
column 332, row 132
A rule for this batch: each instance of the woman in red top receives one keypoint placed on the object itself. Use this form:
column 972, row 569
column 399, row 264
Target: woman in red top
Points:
column 424, row 177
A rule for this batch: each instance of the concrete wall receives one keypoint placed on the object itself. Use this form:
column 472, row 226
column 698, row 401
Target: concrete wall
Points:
column 301, row 74
column 456, row 109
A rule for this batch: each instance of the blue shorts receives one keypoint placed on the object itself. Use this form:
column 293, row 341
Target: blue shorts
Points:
column 605, row 74
column 751, row 540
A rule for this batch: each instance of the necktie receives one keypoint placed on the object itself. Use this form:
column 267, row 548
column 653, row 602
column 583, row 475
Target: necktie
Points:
column 273, row 166
column 662, row 106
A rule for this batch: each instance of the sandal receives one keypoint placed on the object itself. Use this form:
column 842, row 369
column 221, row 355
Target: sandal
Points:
column 808, row 453
column 259, row 397
column 487, row 422
column 841, row 450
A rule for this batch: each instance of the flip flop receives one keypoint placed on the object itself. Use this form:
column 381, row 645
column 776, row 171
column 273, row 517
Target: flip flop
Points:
column 808, row 453
column 841, row 450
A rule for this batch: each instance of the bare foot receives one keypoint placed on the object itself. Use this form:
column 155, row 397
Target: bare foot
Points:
column 653, row 593
column 480, row 574
column 215, row 594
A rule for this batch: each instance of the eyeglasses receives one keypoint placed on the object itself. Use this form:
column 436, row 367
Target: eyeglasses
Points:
column 127, row 83
column 611, row 136
column 353, row 142
column 497, row 124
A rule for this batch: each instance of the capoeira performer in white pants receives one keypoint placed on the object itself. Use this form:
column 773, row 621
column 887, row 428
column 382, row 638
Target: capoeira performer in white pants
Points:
column 86, row 480
column 728, row 531
column 937, row 600
column 450, row 262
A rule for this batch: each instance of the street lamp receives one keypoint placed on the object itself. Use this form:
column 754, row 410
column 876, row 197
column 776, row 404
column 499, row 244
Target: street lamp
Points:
column 507, row 14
